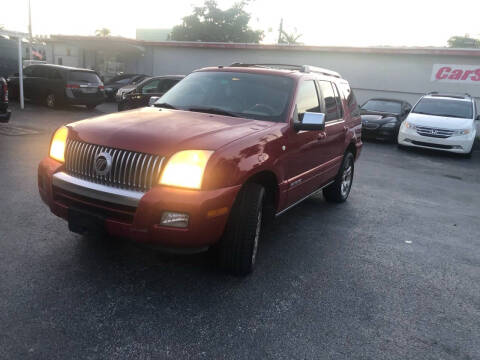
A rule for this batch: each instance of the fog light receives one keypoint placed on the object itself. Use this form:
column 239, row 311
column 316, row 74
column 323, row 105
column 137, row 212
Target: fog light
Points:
column 174, row 219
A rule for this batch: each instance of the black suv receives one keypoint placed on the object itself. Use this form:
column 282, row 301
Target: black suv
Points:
column 57, row 85
column 4, row 111
column 152, row 87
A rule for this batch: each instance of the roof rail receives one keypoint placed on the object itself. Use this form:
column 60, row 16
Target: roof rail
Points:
column 301, row 68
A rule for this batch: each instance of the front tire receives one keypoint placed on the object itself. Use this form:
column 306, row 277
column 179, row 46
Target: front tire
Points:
column 338, row 191
column 237, row 250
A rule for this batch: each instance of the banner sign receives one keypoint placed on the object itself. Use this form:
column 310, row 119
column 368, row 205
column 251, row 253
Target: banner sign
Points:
column 460, row 74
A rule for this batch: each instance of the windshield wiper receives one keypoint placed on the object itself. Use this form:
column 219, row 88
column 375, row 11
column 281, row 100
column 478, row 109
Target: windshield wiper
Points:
column 212, row 110
column 165, row 105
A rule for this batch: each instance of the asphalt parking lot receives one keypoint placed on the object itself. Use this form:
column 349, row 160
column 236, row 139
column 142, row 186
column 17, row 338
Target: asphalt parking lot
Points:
column 394, row 273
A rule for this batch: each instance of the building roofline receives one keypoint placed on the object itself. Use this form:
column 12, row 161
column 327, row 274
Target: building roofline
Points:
column 278, row 47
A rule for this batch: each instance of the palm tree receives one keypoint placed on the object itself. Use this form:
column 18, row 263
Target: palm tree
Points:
column 103, row 32
column 291, row 38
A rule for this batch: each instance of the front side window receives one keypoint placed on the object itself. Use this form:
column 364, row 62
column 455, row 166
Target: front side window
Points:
column 445, row 107
column 331, row 110
column 151, row 87
column 307, row 99
column 238, row 94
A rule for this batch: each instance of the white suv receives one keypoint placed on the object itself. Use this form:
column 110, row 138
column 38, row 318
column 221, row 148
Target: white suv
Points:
column 442, row 122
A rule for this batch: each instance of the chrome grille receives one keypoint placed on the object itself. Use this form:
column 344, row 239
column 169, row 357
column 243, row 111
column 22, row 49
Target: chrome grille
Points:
column 434, row 132
column 130, row 170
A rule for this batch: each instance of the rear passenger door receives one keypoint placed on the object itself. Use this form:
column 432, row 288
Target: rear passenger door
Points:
column 335, row 127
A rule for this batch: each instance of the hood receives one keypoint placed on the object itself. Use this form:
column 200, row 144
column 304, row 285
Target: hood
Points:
column 378, row 118
column 440, row 122
column 163, row 131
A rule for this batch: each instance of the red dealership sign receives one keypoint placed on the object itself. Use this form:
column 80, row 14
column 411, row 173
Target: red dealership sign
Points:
column 464, row 74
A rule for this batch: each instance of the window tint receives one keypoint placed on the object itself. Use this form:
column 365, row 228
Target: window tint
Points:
column 338, row 99
column 54, row 74
column 331, row 111
column 167, row 84
column 307, row 99
column 151, row 87
column 350, row 97
column 84, row 76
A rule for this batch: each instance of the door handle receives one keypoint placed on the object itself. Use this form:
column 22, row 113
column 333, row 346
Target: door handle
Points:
column 322, row 135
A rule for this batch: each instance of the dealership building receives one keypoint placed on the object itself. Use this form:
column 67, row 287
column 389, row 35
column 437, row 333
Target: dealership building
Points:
column 403, row 73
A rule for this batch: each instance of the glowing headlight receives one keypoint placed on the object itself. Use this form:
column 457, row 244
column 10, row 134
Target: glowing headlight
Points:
column 185, row 169
column 462, row 132
column 409, row 125
column 57, row 147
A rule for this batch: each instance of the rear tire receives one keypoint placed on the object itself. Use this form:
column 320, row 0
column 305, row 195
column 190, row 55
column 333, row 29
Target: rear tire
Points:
column 237, row 250
column 51, row 101
column 338, row 191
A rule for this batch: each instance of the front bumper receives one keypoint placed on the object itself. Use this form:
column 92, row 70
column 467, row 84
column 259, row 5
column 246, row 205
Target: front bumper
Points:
column 380, row 132
column 456, row 144
column 137, row 215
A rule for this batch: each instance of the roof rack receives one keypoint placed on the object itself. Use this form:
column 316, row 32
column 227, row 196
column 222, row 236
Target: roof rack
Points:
column 452, row 95
column 301, row 68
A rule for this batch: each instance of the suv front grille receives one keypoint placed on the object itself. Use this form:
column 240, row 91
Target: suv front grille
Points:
column 129, row 170
column 433, row 132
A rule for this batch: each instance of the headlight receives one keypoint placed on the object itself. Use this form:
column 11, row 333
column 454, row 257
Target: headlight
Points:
column 409, row 125
column 57, row 147
column 462, row 132
column 389, row 125
column 185, row 169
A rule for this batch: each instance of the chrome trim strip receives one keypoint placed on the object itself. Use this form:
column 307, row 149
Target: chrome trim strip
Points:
column 96, row 191
column 302, row 199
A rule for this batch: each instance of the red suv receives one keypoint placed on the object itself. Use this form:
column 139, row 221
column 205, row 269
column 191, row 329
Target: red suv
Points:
column 222, row 151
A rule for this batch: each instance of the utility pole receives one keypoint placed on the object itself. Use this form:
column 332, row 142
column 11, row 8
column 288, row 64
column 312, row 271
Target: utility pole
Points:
column 280, row 31
column 30, row 28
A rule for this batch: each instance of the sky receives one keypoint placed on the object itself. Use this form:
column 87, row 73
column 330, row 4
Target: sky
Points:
column 330, row 23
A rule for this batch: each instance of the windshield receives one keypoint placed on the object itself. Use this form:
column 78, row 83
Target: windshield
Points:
column 384, row 106
column 84, row 76
column 254, row 96
column 444, row 107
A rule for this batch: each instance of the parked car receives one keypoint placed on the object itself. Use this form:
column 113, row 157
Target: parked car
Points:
column 5, row 112
column 443, row 122
column 381, row 118
column 57, row 85
column 152, row 87
column 115, row 83
column 223, row 151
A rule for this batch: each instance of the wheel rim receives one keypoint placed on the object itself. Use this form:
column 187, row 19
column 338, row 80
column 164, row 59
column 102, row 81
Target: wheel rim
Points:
column 346, row 179
column 257, row 236
column 51, row 100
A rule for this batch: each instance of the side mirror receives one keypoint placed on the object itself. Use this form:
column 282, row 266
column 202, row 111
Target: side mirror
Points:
column 310, row 121
column 153, row 100
column 478, row 117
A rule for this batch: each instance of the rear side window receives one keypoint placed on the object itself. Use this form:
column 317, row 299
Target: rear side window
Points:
column 54, row 74
column 84, row 77
column 307, row 99
column 348, row 94
column 329, row 97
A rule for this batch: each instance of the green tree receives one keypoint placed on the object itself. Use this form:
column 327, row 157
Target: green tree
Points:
column 463, row 42
column 103, row 32
column 210, row 24
column 289, row 38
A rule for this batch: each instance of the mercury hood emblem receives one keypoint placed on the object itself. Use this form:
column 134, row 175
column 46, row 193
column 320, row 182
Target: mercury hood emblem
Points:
column 102, row 163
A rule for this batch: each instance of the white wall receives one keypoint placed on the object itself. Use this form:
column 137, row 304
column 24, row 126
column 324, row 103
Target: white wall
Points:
column 389, row 75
